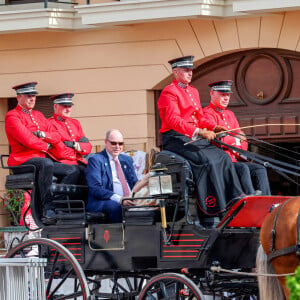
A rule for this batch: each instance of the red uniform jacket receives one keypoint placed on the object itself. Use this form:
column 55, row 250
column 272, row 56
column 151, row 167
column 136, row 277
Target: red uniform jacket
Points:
column 19, row 125
column 180, row 109
column 226, row 117
column 69, row 130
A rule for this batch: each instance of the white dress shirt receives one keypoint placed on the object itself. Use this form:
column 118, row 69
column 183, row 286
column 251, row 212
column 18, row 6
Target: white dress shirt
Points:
column 117, row 186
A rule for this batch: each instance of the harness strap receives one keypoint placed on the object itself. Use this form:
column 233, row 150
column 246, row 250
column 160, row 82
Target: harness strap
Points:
column 283, row 251
column 287, row 250
column 273, row 231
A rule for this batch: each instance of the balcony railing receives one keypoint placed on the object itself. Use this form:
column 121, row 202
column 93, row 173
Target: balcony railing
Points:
column 46, row 2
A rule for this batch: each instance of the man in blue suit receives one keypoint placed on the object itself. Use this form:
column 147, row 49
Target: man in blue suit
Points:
column 110, row 177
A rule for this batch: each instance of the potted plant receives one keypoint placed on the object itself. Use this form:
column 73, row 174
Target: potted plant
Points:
column 13, row 201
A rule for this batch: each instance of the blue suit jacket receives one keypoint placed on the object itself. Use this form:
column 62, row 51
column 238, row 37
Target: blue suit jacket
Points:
column 99, row 177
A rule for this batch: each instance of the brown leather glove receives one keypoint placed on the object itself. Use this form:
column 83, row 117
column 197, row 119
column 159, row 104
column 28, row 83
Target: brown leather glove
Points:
column 220, row 128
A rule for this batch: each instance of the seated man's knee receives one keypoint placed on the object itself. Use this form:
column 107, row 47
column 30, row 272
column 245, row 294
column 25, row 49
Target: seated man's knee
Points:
column 72, row 169
column 115, row 212
column 47, row 165
column 258, row 170
column 241, row 169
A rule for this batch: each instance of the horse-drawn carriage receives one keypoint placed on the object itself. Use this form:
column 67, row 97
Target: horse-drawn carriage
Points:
column 163, row 252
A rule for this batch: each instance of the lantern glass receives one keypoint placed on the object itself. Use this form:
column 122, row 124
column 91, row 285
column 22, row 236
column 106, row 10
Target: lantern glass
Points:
column 160, row 184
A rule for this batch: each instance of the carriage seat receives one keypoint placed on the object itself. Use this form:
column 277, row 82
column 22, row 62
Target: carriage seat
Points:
column 64, row 195
column 20, row 181
column 70, row 201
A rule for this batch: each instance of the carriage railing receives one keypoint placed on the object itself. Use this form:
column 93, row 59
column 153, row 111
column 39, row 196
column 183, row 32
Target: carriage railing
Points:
column 22, row 177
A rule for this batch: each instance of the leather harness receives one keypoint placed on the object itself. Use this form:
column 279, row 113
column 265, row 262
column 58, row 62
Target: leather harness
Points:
column 287, row 250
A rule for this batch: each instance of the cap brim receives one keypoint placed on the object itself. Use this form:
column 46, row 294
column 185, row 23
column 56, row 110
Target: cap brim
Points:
column 65, row 103
column 31, row 93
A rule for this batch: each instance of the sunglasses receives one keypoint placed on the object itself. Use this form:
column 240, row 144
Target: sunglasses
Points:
column 116, row 143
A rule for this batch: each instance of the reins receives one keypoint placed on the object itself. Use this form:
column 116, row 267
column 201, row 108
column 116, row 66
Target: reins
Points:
column 250, row 140
column 218, row 269
column 277, row 166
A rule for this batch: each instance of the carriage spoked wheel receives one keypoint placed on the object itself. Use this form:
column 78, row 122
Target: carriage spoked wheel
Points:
column 170, row 286
column 123, row 286
column 63, row 276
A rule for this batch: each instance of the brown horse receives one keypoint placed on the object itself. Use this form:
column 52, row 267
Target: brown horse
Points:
column 277, row 253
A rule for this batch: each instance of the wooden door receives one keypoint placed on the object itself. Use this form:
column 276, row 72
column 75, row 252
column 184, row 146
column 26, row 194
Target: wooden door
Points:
column 266, row 91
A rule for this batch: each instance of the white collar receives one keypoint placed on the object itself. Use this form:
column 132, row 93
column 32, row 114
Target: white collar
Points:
column 110, row 157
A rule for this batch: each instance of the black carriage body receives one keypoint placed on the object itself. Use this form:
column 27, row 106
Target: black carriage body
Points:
column 140, row 247
column 115, row 247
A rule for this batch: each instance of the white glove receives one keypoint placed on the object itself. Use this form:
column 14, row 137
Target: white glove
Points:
column 77, row 147
column 41, row 134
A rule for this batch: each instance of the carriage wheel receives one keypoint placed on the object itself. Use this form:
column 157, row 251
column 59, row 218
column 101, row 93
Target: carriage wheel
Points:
column 63, row 276
column 120, row 286
column 170, row 286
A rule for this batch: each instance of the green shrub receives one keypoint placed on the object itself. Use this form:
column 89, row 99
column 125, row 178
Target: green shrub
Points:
column 293, row 284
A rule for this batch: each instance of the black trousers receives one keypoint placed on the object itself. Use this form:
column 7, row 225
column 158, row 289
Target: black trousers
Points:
column 46, row 169
column 213, row 171
column 253, row 177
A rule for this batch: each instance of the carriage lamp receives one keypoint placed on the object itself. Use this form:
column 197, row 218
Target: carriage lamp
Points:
column 160, row 183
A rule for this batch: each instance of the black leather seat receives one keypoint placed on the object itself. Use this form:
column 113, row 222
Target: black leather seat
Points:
column 20, row 181
column 70, row 200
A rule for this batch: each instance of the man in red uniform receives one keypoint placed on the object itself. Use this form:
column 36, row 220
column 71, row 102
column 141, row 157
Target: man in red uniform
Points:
column 30, row 135
column 183, row 121
column 73, row 145
column 253, row 177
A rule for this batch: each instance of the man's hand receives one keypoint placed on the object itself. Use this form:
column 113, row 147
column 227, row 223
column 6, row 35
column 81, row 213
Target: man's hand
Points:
column 243, row 136
column 128, row 202
column 207, row 134
column 220, row 128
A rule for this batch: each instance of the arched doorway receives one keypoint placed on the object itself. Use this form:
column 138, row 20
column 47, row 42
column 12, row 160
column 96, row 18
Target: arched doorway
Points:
column 266, row 91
